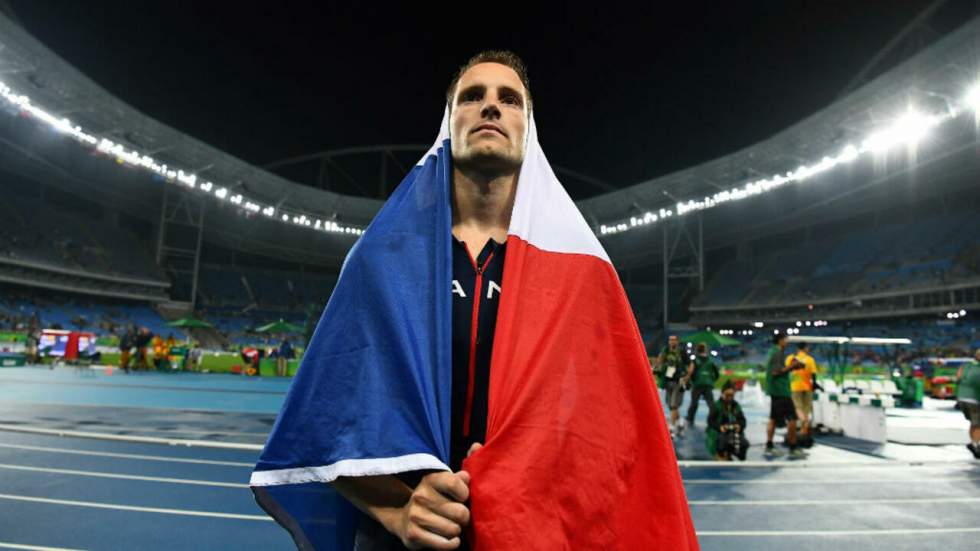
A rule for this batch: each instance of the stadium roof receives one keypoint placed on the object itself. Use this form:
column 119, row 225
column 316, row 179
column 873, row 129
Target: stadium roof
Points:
column 932, row 80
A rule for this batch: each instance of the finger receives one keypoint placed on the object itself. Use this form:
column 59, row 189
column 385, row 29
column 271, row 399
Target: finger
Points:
column 419, row 538
column 476, row 446
column 456, row 512
column 465, row 477
column 451, row 485
column 435, row 523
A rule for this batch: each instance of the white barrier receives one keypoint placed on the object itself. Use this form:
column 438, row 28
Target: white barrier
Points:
column 859, row 416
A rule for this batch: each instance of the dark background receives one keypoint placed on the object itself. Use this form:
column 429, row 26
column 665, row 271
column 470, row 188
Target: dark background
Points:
column 621, row 95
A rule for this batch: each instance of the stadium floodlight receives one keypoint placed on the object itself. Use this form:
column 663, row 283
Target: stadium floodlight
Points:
column 848, row 154
column 758, row 324
column 23, row 106
column 799, row 324
column 972, row 98
column 908, row 129
column 962, row 312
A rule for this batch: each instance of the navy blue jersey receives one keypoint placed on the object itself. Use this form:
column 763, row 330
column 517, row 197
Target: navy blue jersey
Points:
column 476, row 294
column 472, row 278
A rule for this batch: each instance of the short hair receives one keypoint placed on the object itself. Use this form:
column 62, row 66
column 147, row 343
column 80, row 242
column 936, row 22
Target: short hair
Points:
column 503, row 57
column 729, row 385
column 778, row 337
column 802, row 345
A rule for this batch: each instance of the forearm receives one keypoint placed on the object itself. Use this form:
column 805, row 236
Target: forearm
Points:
column 380, row 497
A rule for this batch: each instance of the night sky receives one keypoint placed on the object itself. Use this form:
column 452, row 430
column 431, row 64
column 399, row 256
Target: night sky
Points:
column 621, row 95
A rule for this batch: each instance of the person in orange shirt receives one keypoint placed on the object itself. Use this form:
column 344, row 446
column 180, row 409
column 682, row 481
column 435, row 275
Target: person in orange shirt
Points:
column 801, row 385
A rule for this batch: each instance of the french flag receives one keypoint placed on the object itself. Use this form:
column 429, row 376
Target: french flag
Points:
column 577, row 454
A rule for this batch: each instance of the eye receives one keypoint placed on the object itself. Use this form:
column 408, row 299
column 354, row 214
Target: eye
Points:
column 511, row 100
column 471, row 95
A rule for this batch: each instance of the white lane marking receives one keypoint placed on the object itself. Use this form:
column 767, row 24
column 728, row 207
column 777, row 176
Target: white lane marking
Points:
column 99, row 474
column 99, row 505
column 5, row 545
column 692, row 463
column 808, row 503
column 131, row 456
column 797, row 533
column 131, row 438
column 109, row 430
column 811, row 481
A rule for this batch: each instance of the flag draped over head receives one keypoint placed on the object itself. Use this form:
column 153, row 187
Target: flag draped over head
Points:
column 577, row 454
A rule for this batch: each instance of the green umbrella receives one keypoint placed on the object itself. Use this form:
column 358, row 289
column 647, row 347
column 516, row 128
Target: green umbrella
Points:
column 279, row 327
column 188, row 323
column 710, row 338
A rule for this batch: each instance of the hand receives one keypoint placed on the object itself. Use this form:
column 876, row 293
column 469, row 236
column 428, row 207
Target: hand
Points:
column 476, row 446
column 435, row 514
column 724, row 428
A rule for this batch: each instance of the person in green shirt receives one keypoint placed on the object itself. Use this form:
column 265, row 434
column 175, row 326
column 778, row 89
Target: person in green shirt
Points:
column 670, row 371
column 778, row 388
column 703, row 371
column 968, row 400
column 725, row 436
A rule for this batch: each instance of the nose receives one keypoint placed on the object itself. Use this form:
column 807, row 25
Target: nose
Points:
column 490, row 109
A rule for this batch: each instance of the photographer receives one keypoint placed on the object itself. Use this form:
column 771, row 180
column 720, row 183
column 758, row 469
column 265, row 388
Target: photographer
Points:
column 670, row 370
column 704, row 372
column 726, row 427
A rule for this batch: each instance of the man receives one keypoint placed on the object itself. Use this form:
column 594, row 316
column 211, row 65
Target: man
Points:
column 566, row 436
column 968, row 400
column 781, row 409
column 670, row 374
column 126, row 343
column 141, row 341
column 801, row 386
column 704, row 372
column 283, row 354
column 726, row 427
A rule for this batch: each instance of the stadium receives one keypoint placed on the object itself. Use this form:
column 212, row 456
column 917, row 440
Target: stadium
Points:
column 158, row 295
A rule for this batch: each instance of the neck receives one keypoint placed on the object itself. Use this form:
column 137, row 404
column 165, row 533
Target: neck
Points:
column 482, row 204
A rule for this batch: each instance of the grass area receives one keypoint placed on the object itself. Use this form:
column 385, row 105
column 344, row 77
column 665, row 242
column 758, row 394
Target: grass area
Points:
column 10, row 336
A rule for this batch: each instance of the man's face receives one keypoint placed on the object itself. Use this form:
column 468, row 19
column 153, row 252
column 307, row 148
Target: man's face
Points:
column 672, row 341
column 488, row 122
column 728, row 395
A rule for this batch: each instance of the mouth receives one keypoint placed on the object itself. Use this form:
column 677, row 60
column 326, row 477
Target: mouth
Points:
column 489, row 127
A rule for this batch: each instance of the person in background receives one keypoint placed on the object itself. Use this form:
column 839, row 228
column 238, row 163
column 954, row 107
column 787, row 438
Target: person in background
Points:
column 704, row 372
column 159, row 351
column 141, row 341
column 126, row 342
column 252, row 357
column 726, row 427
column 968, row 399
column 670, row 370
column 801, row 387
column 284, row 353
column 777, row 385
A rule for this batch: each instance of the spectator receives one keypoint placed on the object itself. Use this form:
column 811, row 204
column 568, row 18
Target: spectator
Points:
column 726, row 427
column 781, row 409
column 968, row 400
column 704, row 372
